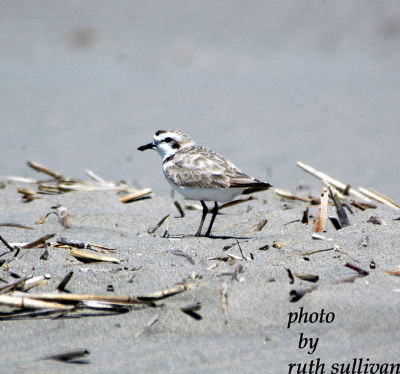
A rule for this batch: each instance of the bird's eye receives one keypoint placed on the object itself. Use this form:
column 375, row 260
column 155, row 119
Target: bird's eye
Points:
column 168, row 140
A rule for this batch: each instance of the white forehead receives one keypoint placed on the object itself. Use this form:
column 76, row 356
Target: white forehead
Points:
column 179, row 136
column 168, row 134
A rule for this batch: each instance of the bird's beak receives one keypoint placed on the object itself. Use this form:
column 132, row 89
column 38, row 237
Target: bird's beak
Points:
column 146, row 146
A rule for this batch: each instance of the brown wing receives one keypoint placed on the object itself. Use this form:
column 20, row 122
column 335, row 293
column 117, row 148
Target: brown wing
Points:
column 199, row 167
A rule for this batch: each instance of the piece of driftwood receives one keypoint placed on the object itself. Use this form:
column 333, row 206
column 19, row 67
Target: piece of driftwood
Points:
column 7, row 244
column 33, row 282
column 70, row 357
column 363, row 205
column 27, row 302
column 297, row 293
column 339, row 185
column 307, row 277
column 356, row 268
column 335, row 222
column 180, row 210
column 180, row 253
column 321, row 217
column 64, row 282
column 135, row 195
column 259, row 226
column 28, row 195
column 305, row 218
column 191, row 310
column 317, row 236
column 290, row 275
column 342, row 215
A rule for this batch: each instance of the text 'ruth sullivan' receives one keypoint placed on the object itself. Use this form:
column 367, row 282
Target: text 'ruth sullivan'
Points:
column 355, row 366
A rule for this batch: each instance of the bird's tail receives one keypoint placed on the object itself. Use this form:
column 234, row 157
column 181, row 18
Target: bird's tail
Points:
column 256, row 187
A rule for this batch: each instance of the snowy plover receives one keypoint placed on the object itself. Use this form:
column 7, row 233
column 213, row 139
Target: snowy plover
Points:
column 199, row 173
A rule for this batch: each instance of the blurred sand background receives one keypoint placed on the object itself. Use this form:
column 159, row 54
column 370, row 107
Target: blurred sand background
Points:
column 85, row 83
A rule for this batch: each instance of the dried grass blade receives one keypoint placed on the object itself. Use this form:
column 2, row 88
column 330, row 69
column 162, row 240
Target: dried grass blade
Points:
column 291, row 196
column 165, row 293
column 8, row 245
column 307, row 277
column 13, row 285
column 76, row 298
column 147, row 326
column 224, row 301
column 91, row 257
column 152, row 230
column 396, row 273
column 322, row 176
column 38, row 241
column 42, row 219
column 235, row 202
column 98, row 179
column 380, row 198
column 182, row 254
column 43, row 169
column 16, row 225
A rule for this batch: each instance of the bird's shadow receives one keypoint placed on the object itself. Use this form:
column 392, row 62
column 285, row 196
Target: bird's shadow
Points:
column 223, row 237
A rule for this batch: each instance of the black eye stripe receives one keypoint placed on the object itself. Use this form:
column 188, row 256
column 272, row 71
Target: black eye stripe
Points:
column 168, row 140
column 159, row 132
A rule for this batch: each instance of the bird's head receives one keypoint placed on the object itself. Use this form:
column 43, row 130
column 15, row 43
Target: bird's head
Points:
column 168, row 142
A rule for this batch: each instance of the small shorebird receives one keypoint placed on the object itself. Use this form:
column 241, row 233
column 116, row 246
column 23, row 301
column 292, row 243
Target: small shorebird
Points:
column 199, row 173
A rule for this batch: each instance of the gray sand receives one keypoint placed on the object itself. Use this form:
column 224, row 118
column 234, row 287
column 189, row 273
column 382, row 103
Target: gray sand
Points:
column 266, row 84
column 256, row 338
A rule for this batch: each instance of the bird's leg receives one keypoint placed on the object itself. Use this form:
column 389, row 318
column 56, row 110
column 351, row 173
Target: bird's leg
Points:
column 214, row 214
column 203, row 217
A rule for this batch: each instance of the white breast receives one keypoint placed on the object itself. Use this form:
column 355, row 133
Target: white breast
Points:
column 207, row 194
